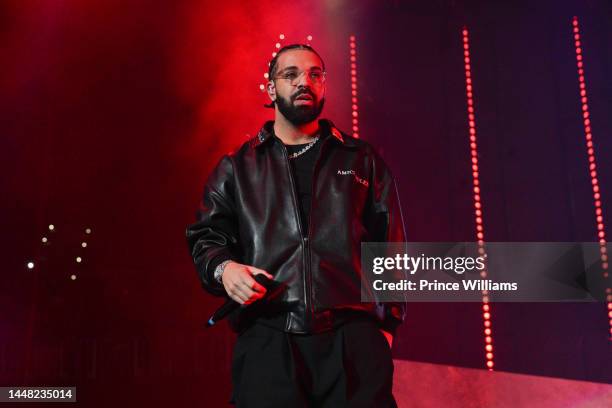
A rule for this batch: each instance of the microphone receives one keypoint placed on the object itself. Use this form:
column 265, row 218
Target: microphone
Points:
column 230, row 305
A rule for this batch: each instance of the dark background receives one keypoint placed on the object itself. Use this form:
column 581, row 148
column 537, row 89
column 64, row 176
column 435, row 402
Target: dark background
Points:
column 112, row 114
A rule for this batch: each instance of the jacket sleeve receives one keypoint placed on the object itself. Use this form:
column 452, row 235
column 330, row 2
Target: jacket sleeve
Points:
column 385, row 223
column 214, row 237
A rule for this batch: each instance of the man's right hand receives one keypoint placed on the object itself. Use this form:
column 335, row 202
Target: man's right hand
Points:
column 239, row 284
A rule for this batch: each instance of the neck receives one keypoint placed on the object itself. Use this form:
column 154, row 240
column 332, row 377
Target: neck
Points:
column 292, row 134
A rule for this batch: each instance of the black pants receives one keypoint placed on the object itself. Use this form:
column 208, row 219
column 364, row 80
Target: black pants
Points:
column 348, row 367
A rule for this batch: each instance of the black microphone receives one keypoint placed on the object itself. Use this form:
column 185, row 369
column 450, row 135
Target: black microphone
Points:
column 230, row 305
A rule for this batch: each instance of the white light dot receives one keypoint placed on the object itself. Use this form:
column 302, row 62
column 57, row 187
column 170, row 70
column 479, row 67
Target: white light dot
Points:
column 44, row 240
column 277, row 45
column 51, row 227
column 84, row 244
column 30, row 265
column 73, row 277
column 261, row 86
column 309, row 38
column 78, row 259
column 88, row 230
column 266, row 75
column 273, row 54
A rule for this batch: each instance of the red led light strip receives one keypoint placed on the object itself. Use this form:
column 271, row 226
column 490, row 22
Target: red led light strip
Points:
column 601, row 233
column 354, row 107
column 486, row 310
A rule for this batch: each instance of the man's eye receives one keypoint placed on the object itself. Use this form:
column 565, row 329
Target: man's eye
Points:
column 316, row 75
column 290, row 75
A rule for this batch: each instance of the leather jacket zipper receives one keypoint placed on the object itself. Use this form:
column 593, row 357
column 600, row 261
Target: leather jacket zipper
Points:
column 307, row 278
column 307, row 239
column 307, row 299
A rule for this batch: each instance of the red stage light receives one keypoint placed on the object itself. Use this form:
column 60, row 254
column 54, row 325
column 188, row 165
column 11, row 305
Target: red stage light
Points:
column 354, row 104
column 591, row 155
column 469, row 88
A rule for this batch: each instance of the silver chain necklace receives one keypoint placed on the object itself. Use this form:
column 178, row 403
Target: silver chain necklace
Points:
column 304, row 149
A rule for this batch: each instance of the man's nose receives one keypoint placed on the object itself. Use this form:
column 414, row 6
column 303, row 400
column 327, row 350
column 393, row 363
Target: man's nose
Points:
column 304, row 80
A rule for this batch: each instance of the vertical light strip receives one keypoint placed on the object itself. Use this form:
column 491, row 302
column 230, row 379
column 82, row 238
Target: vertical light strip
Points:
column 586, row 117
column 486, row 310
column 354, row 107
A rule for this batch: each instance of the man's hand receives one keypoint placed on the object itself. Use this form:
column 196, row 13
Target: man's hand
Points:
column 389, row 337
column 239, row 283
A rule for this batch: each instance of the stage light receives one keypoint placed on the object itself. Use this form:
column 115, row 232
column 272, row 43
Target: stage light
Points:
column 262, row 87
column 51, row 227
column 73, row 277
column 282, row 36
column 478, row 219
column 277, row 45
column 309, row 38
column 88, row 230
column 44, row 240
column 84, row 244
column 79, row 259
column 353, row 72
column 30, row 265
column 601, row 234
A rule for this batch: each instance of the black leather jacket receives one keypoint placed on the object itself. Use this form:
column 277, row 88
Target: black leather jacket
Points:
column 249, row 213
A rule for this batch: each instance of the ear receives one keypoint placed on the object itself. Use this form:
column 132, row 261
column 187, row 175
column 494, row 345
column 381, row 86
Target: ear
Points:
column 271, row 89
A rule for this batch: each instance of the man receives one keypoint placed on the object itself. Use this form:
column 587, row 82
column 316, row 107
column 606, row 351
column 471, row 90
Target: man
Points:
column 294, row 203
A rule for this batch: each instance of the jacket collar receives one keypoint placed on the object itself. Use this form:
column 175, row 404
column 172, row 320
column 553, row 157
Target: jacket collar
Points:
column 327, row 129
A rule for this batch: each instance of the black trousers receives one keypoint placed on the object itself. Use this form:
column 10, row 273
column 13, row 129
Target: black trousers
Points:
column 350, row 366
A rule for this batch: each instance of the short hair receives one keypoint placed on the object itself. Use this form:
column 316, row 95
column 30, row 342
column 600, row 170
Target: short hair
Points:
column 272, row 66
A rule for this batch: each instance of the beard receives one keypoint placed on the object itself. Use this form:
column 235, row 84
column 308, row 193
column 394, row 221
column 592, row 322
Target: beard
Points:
column 301, row 114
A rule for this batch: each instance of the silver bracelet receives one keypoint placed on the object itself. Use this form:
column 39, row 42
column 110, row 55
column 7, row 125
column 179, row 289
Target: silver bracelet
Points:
column 219, row 270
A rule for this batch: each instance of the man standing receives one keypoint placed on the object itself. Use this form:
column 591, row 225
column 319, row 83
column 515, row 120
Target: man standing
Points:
column 294, row 203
